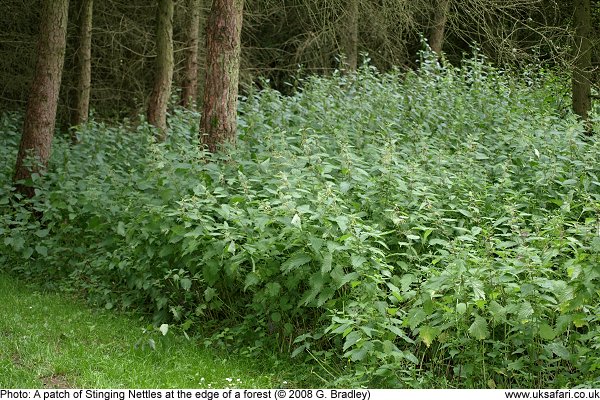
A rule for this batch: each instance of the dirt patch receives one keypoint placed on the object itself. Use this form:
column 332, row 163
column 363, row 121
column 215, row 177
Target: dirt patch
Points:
column 16, row 360
column 56, row 381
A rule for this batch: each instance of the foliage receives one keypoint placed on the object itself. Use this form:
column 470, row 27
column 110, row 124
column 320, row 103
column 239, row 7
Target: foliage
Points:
column 435, row 228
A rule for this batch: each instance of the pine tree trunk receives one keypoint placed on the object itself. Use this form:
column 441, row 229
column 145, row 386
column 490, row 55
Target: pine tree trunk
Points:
column 163, row 75
column 189, row 92
column 436, row 37
column 40, row 116
column 84, row 64
column 218, row 122
column 351, row 36
column 581, row 80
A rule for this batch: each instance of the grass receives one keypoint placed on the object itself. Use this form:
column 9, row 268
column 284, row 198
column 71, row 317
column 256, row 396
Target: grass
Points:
column 52, row 340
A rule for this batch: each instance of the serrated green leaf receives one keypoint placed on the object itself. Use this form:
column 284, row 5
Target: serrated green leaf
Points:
column 559, row 349
column 209, row 293
column 428, row 334
column 441, row 242
column 42, row 233
column 327, row 260
column 251, row 279
column 164, row 329
column 546, row 332
column 295, row 261
column 296, row 221
column 185, row 283
column 415, row 317
column 276, row 317
column 42, row 250
column 479, row 329
column 497, row 312
column 121, row 228
column 342, row 222
column 351, row 339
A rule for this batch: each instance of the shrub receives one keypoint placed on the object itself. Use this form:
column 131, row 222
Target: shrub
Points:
column 434, row 228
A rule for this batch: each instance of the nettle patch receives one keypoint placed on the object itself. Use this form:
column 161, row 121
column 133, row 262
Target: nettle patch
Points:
column 437, row 228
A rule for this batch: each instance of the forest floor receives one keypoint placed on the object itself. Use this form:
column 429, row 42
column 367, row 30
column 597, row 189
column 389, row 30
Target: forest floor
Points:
column 50, row 340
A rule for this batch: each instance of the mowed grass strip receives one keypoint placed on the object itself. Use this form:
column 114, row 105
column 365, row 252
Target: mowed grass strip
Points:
column 49, row 340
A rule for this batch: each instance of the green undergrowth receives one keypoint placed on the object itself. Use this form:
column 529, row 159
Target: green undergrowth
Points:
column 51, row 340
column 437, row 228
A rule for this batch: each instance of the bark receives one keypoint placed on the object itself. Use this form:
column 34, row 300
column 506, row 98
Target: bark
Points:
column 351, row 36
column 581, row 80
column 163, row 75
column 436, row 37
column 40, row 115
column 84, row 64
column 189, row 92
column 218, row 122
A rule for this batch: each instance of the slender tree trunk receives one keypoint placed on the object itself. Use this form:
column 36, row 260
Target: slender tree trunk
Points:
column 84, row 64
column 218, row 122
column 189, row 92
column 40, row 116
column 163, row 75
column 351, row 36
column 582, row 68
column 436, row 37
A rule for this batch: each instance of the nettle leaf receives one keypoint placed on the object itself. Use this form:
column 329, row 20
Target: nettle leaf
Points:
column 42, row 250
column 351, row 339
column 406, row 281
column 121, row 228
column 42, row 233
column 209, row 293
column 428, row 334
column 296, row 260
column 276, row 317
column 327, row 260
column 164, row 329
column 479, row 329
column 497, row 312
column 546, row 332
column 296, row 221
column 525, row 311
column 185, row 283
column 357, row 261
column 342, row 222
column 559, row 349
column 478, row 289
column 252, row 279
column 415, row 317
column 461, row 308
column 345, row 186
column 272, row 289
column 441, row 242
column 360, row 353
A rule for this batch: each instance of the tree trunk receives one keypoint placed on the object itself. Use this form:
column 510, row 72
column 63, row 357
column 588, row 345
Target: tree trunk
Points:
column 84, row 64
column 351, row 36
column 582, row 67
column 436, row 38
column 163, row 75
column 40, row 116
column 218, row 122
column 189, row 92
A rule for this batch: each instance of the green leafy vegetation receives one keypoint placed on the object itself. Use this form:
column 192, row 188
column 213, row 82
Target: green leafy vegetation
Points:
column 438, row 228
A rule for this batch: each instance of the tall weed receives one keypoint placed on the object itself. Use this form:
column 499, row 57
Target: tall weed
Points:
column 432, row 228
